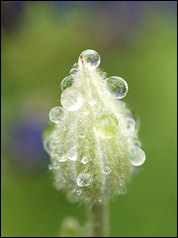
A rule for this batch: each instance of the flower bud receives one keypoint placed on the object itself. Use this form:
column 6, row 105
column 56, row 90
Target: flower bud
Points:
column 93, row 143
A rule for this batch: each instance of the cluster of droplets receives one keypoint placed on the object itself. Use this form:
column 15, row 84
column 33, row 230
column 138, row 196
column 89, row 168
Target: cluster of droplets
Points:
column 93, row 132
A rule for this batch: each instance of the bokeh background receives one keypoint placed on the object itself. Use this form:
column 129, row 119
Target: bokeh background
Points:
column 40, row 41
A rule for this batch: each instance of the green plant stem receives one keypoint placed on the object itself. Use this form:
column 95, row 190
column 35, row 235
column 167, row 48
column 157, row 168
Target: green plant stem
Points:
column 98, row 220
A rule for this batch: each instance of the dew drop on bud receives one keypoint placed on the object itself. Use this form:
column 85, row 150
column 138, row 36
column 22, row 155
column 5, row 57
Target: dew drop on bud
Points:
column 82, row 135
column 92, row 102
column 84, row 160
column 71, row 99
column 122, row 190
column 137, row 156
column 47, row 145
column 128, row 138
column 72, row 154
column 55, row 114
column 60, row 158
column 106, row 170
column 130, row 125
column 73, row 71
column 50, row 167
column 117, row 86
column 53, row 144
column 83, row 180
column 104, row 74
column 75, row 65
column 89, row 59
column 59, row 155
column 79, row 192
column 66, row 82
column 107, row 126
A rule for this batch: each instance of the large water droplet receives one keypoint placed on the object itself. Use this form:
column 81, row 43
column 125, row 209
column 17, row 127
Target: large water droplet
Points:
column 55, row 114
column 107, row 126
column 137, row 156
column 83, row 180
column 66, row 82
column 106, row 170
column 89, row 59
column 84, row 160
column 117, row 86
column 71, row 99
column 72, row 154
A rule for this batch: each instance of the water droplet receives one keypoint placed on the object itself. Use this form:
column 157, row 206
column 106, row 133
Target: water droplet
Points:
column 120, row 119
column 137, row 156
column 57, row 139
column 47, row 145
column 56, row 166
column 84, row 160
column 66, row 82
column 79, row 192
column 122, row 190
column 130, row 113
column 117, row 86
column 73, row 190
column 75, row 65
column 72, row 154
column 73, row 71
column 50, row 167
column 60, row 158
column 83, row 180
column 104, row 74
column 87, row 199
column 55, row 114
column 89, row 59
column 122, row 143
column 73, row 177
column 137, row 143
column 71, row 99
column 106, row 170
column 71, row 198
column 130, row 125
column 59, row 154
column 107, row 126
column 86, row 113
column 122, row 104
column 53, row 144
column 92, row 103
column 82, row 135
column 128, row 138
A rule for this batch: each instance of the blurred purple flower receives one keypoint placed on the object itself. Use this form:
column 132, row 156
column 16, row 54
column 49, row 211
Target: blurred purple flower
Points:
column 24, row 145
column 11, row 13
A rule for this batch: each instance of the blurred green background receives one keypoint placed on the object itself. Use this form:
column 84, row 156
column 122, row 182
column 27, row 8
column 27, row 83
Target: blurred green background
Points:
column 40, row 42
